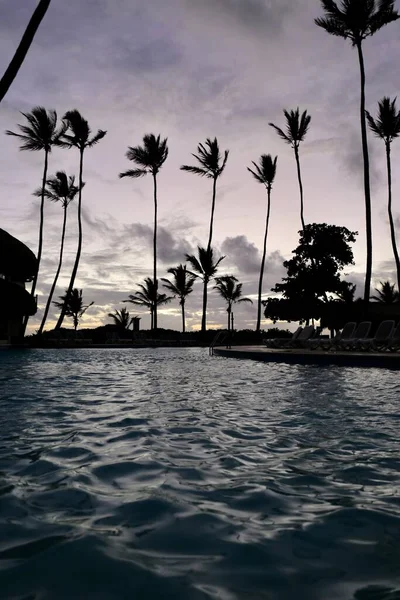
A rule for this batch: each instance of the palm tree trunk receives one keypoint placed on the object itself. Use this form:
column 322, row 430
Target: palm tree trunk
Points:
column 49, row 299
column 40, row 244
column 296, row 153
column 391, row 222
column 183, row 315
column 229, row 319
column 258, row 326
column 367, row 188
column 212, row 213
column 24, row 45
column 155, row 253
column 204, row 317
column 151, row 319
column 79, row 250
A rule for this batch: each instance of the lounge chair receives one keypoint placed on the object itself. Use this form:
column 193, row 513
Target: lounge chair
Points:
column 393, row 344
column 361, row 333
column 345, row 335
column 282, row 342
column 382, row 336
column 303, row 338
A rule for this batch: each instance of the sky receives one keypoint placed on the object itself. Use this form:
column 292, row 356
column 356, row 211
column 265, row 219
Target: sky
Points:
column 188, row 70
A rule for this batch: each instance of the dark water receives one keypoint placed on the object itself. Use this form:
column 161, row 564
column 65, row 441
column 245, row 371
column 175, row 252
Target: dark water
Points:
column 130, row 474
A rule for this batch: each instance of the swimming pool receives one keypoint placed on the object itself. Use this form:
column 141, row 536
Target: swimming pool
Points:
column 166, row 473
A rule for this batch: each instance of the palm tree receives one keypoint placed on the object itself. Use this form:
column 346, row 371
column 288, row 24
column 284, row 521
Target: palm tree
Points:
column 356, row 20
column 231, row 292
column 121, row 318
column 265, row 174
column 74, row 307
column 149, row 297
column 387, row 127
column 205, row 266
column 296, row 131
column 40, row 134
column 387, row 294
column 209, row 158
column 60, row 188
column 24, row 45
column 181, row 286
column 78, row 136
column 150, row 158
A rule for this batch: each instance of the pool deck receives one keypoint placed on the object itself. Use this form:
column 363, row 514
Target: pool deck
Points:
column 390, row 360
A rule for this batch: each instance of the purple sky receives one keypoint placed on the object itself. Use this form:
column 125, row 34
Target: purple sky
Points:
column 191, row 69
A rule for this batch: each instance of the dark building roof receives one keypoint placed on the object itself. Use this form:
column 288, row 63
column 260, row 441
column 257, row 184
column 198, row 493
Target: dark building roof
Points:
column 17, row 261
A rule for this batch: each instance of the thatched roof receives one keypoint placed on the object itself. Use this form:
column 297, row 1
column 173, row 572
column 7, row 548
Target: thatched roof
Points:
column 16, row 260
column 15, row 301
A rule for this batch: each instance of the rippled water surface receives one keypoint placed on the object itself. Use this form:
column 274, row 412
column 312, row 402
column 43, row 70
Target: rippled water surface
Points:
column 164, row 473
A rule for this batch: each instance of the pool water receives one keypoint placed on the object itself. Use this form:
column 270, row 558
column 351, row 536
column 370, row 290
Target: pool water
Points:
column 169, row 474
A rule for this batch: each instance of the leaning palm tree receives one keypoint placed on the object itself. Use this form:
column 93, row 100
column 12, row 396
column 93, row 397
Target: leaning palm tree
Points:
column 149, row 297
column 121, row 318
column 231, row 291
column 181, row 286
column 212, row 166
column 387, row 294
column 296, row 131
column 149, row 158
column 387, row 127
column 78, row 136
column 62, row 189
column 356, row 20
column 40, row 134
column 73, row 302
column 24, row 45
column 204, row 266
column 264, row 173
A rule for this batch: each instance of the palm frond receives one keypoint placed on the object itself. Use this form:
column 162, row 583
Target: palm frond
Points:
column 133, row 173
column 96, row 138
column 281, row 133
column 196, row 171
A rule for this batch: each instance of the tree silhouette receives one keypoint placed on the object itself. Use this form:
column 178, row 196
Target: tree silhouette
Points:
column 121, row 318
column 181, row 286
column 296, row 131
column 74, row 307
column 212, row 165
column 149, row 297
column 40, row 134
column 265, row 174
column 78, row 136
column 356, row 20
column 23, row 47
column 150, row 158
column 387, row 127
column 204, row 266
column 231, row 291
column 387, row 294
column 62, row 189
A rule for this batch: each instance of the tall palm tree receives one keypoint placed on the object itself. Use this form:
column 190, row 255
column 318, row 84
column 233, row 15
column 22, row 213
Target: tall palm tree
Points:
column 296, row 130
column 149, row 158
column 181, row 286
column 78, row 136
column 40, row 134
column 122, row 319
column 24, row 45
column 264, row 173
column 149, row 297
column 387, row 127
column 204, row 266
column 73, row 302
column 212, row 165
column 387, row 294
column 59, row 188
column 231, row 291
column 356, row 20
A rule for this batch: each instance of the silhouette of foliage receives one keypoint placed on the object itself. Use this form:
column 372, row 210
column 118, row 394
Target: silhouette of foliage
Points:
column 122, row 319
column 73, row 304
column 181, row 286
column 150, row 158
column 212, row 165
column 205, row 267
column 264, row 173
column 356, row 20
column 387, row 294
column 230, row 290
column 149, row 297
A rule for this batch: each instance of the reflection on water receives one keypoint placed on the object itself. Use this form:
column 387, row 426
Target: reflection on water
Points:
column 165, row 473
